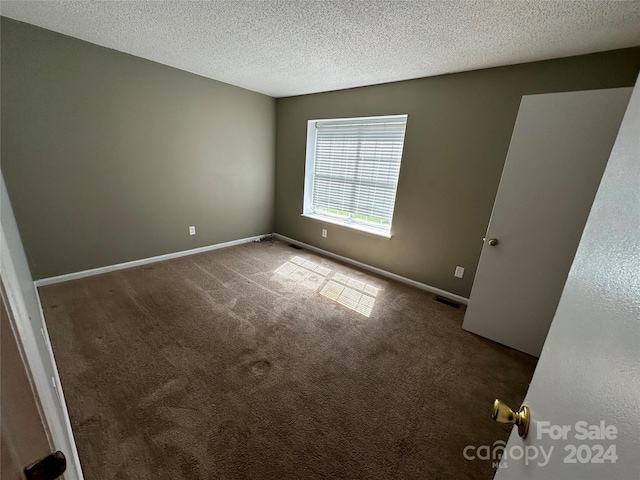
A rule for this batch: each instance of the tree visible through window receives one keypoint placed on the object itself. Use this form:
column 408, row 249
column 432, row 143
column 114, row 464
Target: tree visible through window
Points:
column 352, row 170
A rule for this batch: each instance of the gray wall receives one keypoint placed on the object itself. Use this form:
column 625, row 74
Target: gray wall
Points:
column 456, row 143
column 109, row 158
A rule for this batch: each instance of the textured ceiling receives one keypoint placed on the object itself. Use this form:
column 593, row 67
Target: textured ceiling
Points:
column 284, row 48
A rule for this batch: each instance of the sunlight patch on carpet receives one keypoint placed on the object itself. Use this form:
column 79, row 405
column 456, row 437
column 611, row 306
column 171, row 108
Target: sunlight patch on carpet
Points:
column 307, row 273
column 349, row 292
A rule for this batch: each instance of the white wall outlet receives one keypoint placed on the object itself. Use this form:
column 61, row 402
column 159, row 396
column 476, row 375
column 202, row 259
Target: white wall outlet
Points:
column 324, row 232
column 192, row 230
column 459, row 272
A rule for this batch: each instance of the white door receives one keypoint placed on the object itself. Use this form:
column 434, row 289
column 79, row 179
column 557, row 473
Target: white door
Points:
column 23, row 438
column 30, row 333
column 588, row 375
column 558, row 152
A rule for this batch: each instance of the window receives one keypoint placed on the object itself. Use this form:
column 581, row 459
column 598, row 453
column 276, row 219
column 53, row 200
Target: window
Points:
column 352, row 171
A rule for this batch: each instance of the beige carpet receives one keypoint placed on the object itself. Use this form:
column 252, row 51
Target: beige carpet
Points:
column 265, row 362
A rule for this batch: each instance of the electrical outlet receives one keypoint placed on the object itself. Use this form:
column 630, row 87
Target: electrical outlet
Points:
column 459, row 272
column 324, row 232
column 192, row 230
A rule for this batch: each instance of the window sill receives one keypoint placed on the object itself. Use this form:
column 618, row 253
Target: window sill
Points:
column 353, row 226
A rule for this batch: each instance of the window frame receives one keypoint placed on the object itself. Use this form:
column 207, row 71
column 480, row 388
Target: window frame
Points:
column 309, row 176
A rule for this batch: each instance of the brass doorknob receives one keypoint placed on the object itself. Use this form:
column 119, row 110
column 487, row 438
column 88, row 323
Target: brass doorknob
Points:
column 493, row 242
column 503, row 414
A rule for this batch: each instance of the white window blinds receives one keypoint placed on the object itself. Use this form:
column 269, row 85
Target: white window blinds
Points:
column 356, row 169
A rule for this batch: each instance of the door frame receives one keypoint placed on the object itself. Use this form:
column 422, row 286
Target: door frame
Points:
column 48, row 391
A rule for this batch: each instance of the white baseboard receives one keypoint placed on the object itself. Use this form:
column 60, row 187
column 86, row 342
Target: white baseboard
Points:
column 379, row 271
column 144, row 261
